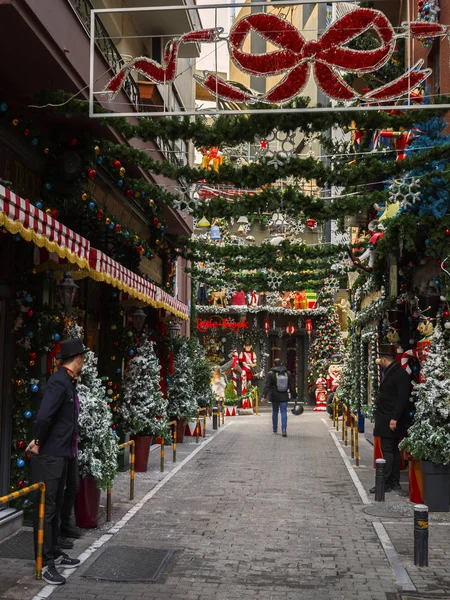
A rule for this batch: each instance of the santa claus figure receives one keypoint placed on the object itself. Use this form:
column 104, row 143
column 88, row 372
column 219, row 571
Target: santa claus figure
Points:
column 247, row 360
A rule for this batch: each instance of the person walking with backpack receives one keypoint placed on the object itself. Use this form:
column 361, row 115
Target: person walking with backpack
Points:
column 279, row 381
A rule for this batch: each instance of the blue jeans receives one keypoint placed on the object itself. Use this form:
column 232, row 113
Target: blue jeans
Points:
column 282, row 407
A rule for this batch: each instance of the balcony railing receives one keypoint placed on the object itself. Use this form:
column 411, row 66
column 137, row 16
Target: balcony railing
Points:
column 83, row 8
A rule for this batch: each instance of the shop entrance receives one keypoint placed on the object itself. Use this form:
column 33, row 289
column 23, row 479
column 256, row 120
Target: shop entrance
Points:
column 293, row 352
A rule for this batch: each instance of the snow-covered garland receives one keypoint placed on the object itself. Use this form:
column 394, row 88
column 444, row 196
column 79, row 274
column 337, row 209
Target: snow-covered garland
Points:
column 274, row 310
column 369, row 341
column 364, row 290
column 373, row 312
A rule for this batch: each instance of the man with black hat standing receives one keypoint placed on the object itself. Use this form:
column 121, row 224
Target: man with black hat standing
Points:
column 54, row 444
column 391, row 413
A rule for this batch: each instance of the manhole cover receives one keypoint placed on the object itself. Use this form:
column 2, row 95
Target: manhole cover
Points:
column 125, row 563
column 18, row 546
column 389, row 510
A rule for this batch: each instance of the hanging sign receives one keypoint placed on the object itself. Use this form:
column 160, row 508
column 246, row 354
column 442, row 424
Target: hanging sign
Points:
column 204, row 325
column 328, row 58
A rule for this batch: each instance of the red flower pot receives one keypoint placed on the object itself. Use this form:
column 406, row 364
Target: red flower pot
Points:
column 142, row 450
column 87, row 503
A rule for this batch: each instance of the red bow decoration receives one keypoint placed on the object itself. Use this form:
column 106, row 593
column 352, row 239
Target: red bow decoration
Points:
column 327, row 57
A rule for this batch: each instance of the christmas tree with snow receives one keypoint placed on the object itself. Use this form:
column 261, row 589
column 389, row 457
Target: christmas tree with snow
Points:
column 326, row 338
column 348, row 390
column 202, row 372
column 180, row 389
column 98, row 445
column 429, row 436
column 143, row 410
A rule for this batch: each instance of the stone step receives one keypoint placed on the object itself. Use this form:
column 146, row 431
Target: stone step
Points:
column 11, row 519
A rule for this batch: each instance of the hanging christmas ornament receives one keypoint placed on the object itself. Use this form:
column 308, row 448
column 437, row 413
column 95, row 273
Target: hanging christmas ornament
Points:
column 290, row 328
column 92, row 173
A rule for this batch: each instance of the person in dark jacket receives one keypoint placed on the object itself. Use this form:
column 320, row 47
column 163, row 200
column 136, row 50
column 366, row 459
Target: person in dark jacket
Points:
column 391, row 414
column 276, row 391
column 55, row 443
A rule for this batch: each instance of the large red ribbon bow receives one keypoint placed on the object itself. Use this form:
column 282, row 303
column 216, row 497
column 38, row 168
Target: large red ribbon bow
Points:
column 327, row 57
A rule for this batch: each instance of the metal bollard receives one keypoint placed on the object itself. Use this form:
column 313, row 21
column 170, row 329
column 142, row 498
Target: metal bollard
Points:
column 379, row 480
column 215, row 415
column 421, row 535
column 356, row 442
column 352, row 436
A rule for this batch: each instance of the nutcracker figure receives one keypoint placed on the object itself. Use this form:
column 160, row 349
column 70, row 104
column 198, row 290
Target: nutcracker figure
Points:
column 247, row 360
column 321, row 395
column 334, row 373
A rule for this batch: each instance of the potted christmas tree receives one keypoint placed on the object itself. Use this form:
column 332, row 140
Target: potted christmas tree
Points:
column 429, row 437
column 231, row 400
column 180, row 391
column 98, row 446
column 143, row 411
column 202, row 372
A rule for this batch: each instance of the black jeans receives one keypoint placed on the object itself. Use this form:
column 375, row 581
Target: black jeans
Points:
column 52, row 471
column 391, row 454
column 72, row 487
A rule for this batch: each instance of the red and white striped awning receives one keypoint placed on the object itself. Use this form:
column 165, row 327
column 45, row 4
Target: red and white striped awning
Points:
column 104, row 268
column 21, row 217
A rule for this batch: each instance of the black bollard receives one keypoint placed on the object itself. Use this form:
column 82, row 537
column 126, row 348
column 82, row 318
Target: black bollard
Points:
column 215, row 415
column 421, row 535
column 379, row 480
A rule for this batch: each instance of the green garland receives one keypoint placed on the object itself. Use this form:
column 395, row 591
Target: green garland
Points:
column 260, row 282
column 199, row 251
column 233, row 130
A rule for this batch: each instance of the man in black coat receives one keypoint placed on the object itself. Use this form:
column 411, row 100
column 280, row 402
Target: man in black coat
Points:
column 279, row 381
column 55, row 443
column 391, row 414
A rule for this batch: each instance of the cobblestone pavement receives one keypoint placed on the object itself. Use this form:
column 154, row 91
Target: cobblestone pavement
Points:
column 256, row 515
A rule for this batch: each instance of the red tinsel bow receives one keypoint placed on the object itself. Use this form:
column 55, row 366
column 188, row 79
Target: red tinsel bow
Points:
column 327, row 56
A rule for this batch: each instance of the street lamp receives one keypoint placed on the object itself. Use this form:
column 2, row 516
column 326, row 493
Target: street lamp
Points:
column 138, row 317
column 67, row 289
column 173, row 330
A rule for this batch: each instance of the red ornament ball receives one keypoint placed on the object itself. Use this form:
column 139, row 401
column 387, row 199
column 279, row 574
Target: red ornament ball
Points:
column 30, row 314
column 55, row 214
column 100, row 214
column 20, row 484
column 116, row 164
column 446, row 314
column 26, row 132
column 447, row 232
column 73, row 141
column 33, row 355
column 129, row 193
column 155, row 220
column 92, row 173
column 117, row 227
column 114, row 427
column 20, row 445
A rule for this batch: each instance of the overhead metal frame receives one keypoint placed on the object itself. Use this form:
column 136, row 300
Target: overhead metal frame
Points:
column 216, row 111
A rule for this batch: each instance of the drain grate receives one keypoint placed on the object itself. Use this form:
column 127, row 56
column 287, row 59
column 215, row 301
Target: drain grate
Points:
column 18, row 546
column 389, row 510
column 125, row 563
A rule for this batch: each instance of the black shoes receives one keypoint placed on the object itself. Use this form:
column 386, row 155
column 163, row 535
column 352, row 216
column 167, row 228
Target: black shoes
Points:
column 71, row 532
column 51, row 576
column 284, row 434
column 66, row 562
column 387, row 488
column 65, row 544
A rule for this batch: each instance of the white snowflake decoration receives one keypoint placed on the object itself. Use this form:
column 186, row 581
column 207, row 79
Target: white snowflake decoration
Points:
column 274, row 281
column 405, row 191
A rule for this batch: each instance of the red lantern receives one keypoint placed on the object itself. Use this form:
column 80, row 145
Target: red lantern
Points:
column 266, row 326
column 308, row 326
column 92, row 173
column 290, row 328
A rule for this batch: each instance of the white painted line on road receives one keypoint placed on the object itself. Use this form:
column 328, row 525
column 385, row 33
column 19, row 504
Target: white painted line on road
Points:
column 402, row 579
column 46, row 591
column 359, row 487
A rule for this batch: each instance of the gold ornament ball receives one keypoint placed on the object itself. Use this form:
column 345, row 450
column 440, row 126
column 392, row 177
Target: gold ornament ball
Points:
column 19, row 382
column 32, row 363
column 115, row 408
column 136, row 238
column 113, row 358
column 137, row 194
column 159, row 226
column 84, row 197
column 107, row 220
column 15, row 122
column 97, row 149
column 46, row 150
column 157, row 242
column 122, row 171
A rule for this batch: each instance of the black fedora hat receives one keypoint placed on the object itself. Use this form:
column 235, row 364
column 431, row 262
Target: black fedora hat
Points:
column 387, row 350
column 70, row 348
